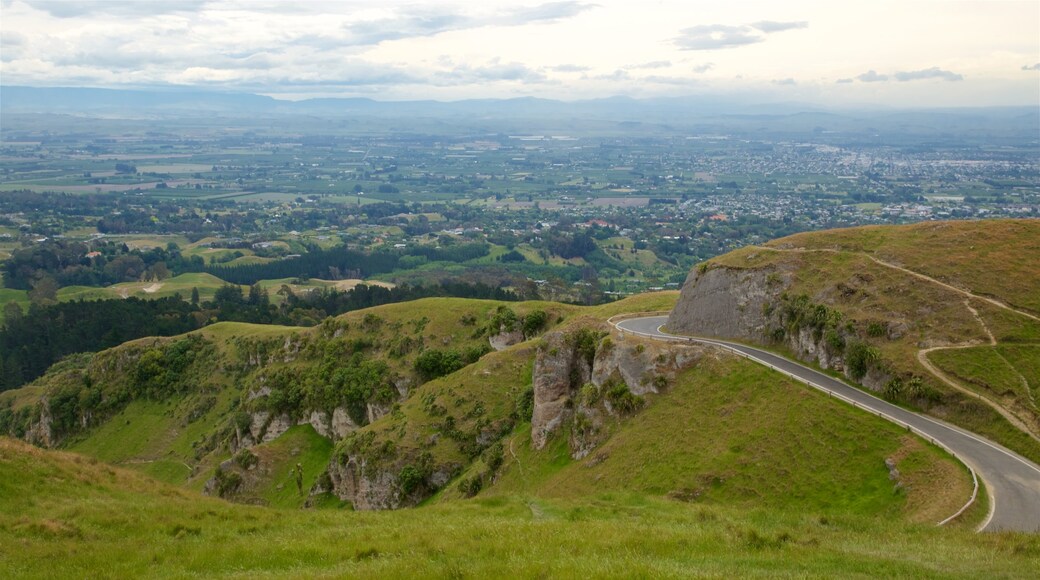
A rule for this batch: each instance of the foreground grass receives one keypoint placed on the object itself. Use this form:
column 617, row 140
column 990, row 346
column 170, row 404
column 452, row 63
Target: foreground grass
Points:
column 69, row 516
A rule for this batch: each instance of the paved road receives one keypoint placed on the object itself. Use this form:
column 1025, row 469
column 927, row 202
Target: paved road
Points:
column 1013, row 482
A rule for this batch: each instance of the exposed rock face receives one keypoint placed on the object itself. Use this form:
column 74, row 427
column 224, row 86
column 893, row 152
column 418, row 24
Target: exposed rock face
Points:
column 342, row 424
column 370, row 485
column 367, row 488
column 558, row 373
column 642, row 365
column 738, row 304
column 506, row 339
column 40, row 432
column 724, row 302
column 568, row 388
column 374, row 411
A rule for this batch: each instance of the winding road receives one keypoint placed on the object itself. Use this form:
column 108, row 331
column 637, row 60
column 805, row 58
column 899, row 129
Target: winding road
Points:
column 1013, row 482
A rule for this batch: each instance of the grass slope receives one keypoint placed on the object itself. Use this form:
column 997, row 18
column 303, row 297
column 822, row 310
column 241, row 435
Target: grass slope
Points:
column 730, row 432
column 834, row 268
column 87, row 519
column 999, row 258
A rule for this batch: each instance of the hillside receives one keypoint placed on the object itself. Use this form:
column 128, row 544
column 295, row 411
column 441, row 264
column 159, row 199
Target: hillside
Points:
column 178, row 407
column 91, row 519
column 937, row 316
column 537, row 418
column 358, row 405
column 353, row 413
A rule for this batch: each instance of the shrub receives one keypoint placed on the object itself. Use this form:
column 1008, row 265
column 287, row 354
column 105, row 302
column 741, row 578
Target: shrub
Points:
column 834, row 339
column 228, row 482
column 471, row 486
column 409, row 479
column 534, row 322
column 622, row 399
column 877, row 329
column 433, row 363
column 859, row 357
column 493, row 457
column 523, row 404
column 246, row 459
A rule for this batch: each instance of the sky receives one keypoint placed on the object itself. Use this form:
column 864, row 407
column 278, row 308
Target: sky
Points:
column 838, row 52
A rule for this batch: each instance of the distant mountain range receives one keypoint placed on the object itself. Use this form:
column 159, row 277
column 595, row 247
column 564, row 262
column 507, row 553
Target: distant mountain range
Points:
column 705, row 112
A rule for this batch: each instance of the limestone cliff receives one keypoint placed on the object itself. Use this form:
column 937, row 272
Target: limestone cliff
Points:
column 726, row 302
column 752, row 304
column 587, row 380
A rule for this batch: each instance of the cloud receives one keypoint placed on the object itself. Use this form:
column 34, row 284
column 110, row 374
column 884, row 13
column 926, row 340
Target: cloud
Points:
column 12, row 38
column 549, row 12
column 928, row 73
column 66, row 9
column 1031, row 66
column 703, row 68
column 787, row 82
column 649, row 65
column 618, row 75
column 670, row 80
column 430, row 21
column 843, row 81
column 718, row 36
column 569, row 68
column 769, row 26
column 871, row 76
column 417, row 24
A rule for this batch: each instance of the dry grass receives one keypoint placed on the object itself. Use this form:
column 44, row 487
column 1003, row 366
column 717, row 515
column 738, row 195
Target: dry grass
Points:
column 999, row 258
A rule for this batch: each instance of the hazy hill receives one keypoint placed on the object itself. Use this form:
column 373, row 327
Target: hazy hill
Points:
column 706, row 114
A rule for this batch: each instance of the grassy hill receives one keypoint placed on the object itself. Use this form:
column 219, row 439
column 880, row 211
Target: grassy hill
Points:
column 663, row 460
column 999, row 258
column 949, row 307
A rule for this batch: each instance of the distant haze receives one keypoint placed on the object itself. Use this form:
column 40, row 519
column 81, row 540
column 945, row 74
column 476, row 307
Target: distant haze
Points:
column 848, row 53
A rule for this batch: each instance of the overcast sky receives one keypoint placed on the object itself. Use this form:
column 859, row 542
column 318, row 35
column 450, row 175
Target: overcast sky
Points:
column 840, row 52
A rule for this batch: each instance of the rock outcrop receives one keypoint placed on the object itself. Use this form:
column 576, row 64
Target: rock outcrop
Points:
column 365, row 486
column 40, row 432
column 726, row 302
column 558, row 372
column 743, row 304
column 506, row 338
column 372, row 483
column 587, row 386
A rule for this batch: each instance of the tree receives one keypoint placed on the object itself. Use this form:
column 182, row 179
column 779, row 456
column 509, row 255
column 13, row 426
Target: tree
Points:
column 194, row 296
column 158, row 271
column 44, row 291
column 125, row 268
column 12, row 314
